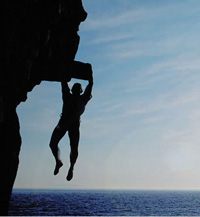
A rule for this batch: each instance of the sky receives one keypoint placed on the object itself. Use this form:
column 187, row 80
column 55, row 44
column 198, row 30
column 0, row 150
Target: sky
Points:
column 141, row 128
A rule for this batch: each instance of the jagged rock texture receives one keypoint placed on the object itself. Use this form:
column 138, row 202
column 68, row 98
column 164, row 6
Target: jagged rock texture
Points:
column 39, row 41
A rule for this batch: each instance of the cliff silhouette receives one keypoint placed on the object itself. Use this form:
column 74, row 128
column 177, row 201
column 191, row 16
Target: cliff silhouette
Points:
column 39, row 42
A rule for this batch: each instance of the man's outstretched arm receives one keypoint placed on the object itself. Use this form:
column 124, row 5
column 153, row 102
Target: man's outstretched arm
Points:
column 88, row 89
column 65, row 89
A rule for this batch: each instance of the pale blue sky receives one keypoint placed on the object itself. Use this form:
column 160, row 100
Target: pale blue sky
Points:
column 141, row 129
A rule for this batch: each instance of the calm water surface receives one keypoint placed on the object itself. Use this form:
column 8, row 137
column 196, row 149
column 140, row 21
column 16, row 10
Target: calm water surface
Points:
column 104, row 203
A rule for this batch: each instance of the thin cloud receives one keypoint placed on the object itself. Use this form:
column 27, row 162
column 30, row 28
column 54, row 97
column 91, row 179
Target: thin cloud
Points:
column 113, row 21
column 185, row 63
column 172, row 134
column 158, row 47
column 153, row 119
column 112, row 37
column 145, row 12
column 161, row 103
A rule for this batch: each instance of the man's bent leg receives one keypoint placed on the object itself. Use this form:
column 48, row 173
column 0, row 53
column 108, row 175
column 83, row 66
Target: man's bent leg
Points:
column 74, row 136
column 57, row 135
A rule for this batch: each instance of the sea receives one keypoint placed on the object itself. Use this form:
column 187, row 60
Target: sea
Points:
column 26, row 202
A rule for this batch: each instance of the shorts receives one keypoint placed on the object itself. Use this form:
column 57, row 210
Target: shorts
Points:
column 68, row 124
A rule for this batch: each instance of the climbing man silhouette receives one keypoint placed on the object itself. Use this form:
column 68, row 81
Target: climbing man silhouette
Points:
column 73, row 107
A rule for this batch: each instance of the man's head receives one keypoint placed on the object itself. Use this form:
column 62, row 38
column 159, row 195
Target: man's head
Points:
column 77, row 89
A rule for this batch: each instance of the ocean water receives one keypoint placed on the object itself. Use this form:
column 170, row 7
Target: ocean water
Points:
column 104, row 203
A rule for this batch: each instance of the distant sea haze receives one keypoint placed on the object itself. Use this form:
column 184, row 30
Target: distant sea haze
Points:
column 104, row 203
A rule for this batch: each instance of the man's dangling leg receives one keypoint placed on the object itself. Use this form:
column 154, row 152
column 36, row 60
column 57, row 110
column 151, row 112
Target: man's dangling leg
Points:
column 57, row 135
column 74, row 136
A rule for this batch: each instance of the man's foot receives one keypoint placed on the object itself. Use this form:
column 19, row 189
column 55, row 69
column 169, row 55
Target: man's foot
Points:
column 59, row 164
column 70, row 174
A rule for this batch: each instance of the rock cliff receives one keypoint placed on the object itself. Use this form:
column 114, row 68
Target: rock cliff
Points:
column 38, row 42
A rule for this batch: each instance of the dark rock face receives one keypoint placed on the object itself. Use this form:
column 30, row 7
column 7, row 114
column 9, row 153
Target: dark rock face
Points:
column 39, row 41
